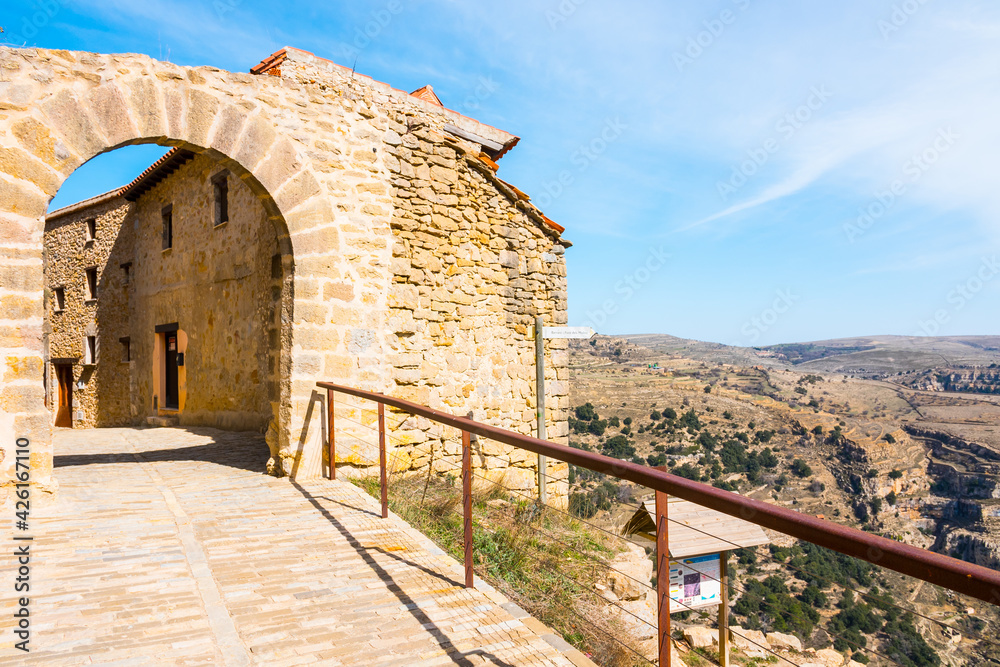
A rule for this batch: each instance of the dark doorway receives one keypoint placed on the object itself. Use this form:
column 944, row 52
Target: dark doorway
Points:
column 64, row 409
column 170, row 400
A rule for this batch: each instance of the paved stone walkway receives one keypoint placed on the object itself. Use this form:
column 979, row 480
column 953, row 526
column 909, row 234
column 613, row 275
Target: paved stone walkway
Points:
column 168, row 546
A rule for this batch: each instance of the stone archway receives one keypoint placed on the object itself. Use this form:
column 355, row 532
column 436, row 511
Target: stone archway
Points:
column 59, row 109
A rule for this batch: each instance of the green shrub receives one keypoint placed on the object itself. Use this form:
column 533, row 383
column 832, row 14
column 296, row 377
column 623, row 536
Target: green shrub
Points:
column 800, row 469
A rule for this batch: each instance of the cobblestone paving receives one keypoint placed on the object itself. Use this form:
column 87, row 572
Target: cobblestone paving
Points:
column 168, row 546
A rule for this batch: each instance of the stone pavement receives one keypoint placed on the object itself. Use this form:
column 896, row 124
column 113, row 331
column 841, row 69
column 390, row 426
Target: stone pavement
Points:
column 168, row 546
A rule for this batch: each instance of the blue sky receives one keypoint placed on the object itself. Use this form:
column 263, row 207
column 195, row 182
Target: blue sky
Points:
column 735, row 171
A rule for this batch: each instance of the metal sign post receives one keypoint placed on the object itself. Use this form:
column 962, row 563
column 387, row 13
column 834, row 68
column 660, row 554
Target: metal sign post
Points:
column 541, row 333
column 543, row 461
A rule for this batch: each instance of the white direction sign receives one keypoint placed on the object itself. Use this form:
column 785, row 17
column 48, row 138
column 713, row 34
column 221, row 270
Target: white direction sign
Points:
column 567, row 332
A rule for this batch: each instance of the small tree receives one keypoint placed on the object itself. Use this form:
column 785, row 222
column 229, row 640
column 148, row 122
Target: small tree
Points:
column 801, row 469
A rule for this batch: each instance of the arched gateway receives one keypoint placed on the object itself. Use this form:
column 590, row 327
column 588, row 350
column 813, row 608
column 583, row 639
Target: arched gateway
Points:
column 407, row 266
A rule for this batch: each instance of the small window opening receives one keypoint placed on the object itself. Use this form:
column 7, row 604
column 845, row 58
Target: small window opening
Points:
column 90, row 351
column 126, row 348
column 91, row 229
column 92, row 283
column 168, row 227
column 220, row 185
column 60, row 297
column 126, row 272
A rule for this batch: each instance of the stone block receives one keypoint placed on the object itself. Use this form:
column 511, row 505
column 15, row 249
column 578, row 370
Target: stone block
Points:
column 21, row 198
column 296, row 192
column 323, row 240
column 279, row 166
column 258, row 137
column 20, row 307
column 200, row 117
column 71, row 120
column 147, row 106
column 110, row 109
column 21, row 164
column 338, row 291
column 226, row 129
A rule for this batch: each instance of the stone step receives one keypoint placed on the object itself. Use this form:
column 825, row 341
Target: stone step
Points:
column 163, row 421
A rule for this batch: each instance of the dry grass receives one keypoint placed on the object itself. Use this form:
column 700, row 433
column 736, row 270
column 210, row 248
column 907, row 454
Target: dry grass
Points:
column 544, row 561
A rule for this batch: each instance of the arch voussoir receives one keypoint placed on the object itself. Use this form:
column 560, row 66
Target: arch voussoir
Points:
column 35, row 137
column 255, row 143
column 19, row 163
column 281, row 164
column 23, row 198
column 228, row 127
column 146, row 102
column 70, row 119
column 295, row 192
column 107, row 102
column 198, row 112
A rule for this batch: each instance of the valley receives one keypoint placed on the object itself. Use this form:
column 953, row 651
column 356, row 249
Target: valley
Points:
column 837, row 429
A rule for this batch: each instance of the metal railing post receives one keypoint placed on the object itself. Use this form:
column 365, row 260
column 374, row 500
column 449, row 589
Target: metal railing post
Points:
column 329, row 433
column 724, row 609
column 662, row 579
column 543, row 461
column 467, row 505
column 381, row 460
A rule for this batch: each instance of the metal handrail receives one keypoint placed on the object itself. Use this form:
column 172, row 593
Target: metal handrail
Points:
column 966, row 578
column 962, row 577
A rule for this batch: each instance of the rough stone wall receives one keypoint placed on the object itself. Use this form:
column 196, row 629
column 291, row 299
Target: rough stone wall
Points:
column 215, row 283
column 103, row 400
column 471, row 272
column 315, row 147
column 472, row 266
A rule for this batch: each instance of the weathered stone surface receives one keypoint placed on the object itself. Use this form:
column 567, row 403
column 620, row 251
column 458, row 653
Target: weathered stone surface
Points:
column 829, row 657
column 751, row 642
column 629, row 571
column 780, row 640
column 699, row 637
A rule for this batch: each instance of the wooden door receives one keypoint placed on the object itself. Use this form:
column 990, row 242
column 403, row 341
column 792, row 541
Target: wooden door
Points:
column 170, row 368
column 64, row 409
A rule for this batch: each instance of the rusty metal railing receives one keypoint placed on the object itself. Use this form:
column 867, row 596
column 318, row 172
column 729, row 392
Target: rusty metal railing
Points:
column 950, row 573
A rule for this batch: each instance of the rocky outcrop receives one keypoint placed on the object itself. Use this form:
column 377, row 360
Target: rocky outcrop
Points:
column 780, row 640
column 699, row 637
column 629, row 573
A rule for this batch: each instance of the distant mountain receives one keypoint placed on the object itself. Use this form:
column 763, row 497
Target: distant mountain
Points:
column 890, row 354
column 863, row 355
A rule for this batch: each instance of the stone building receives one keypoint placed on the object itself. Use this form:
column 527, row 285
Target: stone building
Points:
column 397, row 260
column 181, row 323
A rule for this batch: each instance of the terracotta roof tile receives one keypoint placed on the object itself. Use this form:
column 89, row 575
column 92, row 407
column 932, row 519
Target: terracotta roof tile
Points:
column 428, row 95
